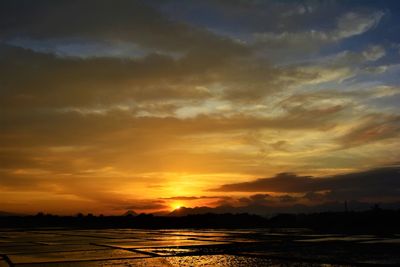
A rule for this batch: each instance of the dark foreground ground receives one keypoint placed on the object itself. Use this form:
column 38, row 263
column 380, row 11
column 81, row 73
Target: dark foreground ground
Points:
column 138, row 247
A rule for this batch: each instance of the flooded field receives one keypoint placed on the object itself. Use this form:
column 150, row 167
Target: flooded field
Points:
column 131, row 247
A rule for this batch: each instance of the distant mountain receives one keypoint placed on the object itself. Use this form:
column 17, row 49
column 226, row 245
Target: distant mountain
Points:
column 130, row 213
column 6, row 213
column 183, row 211
column 264, row 210
column 161, row 213
column 253, row 209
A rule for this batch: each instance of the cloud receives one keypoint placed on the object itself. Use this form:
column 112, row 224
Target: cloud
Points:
column 375, row 183
column 374, row 53
column 353, row 59
column 347, row 25
column 351, row 24
column 130, row 21
column 65, row 82
column 371, row 128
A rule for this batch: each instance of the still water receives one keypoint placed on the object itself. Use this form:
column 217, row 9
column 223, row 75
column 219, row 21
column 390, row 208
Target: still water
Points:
column 134, row 247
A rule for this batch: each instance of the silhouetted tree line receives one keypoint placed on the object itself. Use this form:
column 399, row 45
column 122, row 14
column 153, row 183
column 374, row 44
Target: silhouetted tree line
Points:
column 374, row 220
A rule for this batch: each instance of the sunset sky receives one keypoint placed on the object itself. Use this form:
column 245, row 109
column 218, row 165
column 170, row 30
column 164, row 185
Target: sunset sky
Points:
column 107, row 106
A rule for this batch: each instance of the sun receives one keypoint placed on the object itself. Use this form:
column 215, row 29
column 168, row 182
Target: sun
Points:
column 176, row 206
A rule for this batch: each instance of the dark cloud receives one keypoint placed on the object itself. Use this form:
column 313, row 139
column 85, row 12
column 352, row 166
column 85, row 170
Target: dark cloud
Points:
column 315, row 196
column 283, row 182
column 375, row 183
column 258, row 199
column 123, row 20
column 286, row 198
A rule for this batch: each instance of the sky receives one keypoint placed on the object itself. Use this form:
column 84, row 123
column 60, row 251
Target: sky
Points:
column 108, row 106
